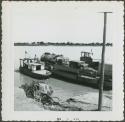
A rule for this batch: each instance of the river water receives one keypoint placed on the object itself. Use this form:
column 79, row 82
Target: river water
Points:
column 62, row 89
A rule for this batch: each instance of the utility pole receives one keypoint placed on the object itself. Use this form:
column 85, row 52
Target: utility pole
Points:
column 101, row 82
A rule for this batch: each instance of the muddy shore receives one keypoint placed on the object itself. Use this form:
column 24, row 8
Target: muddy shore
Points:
column 71, row 97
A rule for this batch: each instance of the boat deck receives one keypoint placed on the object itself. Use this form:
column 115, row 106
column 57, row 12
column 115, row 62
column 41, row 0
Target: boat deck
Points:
column 87, row 77
column 43, row 72
column 35, row 64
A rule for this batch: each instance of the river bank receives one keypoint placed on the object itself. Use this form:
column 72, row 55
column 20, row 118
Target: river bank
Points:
column 85, row 102
column 72, row 97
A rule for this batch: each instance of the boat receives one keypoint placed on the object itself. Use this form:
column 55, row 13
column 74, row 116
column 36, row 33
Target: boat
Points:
column 33, row 68
column 83, row 71
column 75, row 71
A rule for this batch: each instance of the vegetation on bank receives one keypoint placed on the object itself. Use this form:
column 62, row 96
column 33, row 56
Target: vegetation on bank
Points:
column 60, row 44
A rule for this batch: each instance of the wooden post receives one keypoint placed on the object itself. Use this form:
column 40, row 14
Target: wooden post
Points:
column 102, row 64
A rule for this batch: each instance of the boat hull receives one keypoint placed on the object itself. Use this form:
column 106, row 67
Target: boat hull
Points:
column 73, row 77
column 33, row 75
column 80, row 79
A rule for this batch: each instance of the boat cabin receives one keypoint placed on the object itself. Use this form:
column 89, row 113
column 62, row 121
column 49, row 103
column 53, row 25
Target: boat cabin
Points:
column 86, row 56
column 31, row 64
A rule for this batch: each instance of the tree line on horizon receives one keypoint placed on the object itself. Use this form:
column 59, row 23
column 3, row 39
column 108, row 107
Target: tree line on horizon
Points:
column 59, row 44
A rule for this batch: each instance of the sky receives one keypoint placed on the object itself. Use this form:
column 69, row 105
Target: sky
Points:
column 59, row 21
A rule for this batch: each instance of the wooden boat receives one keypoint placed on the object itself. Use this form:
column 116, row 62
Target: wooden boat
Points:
column 32, row 68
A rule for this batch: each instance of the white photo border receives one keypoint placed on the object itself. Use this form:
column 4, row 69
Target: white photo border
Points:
column 8, row 112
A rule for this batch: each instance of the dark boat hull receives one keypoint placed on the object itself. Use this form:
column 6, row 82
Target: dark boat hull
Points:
column 80, row 79
column 33, row 75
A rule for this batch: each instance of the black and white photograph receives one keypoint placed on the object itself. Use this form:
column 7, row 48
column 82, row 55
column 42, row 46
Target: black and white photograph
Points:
column 62, row 60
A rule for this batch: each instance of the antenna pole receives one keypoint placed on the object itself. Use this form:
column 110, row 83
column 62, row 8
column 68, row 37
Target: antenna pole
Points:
column 101, row 83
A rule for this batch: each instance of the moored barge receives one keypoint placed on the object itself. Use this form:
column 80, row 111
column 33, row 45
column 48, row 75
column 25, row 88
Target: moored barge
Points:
column 85, row 71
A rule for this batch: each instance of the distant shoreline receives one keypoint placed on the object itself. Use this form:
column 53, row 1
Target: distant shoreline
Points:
column 61, row 44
